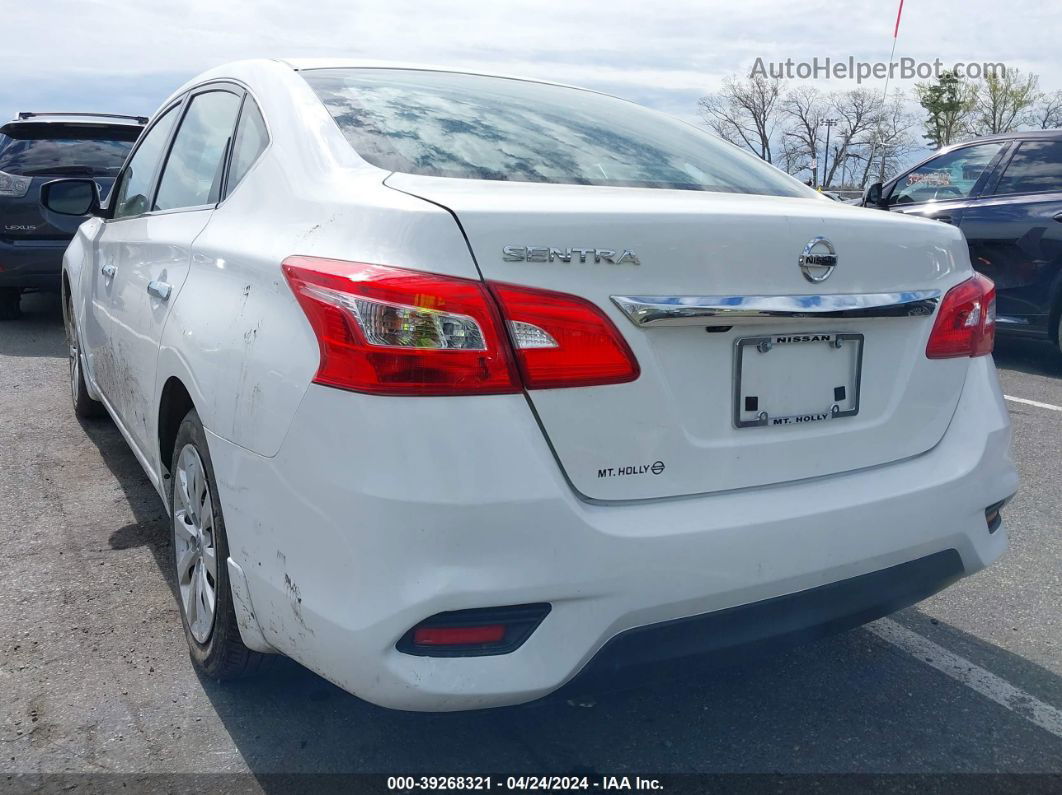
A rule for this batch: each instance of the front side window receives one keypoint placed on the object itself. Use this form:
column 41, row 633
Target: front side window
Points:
column 251, row 140
column 448, row 124
column 193, row 171
column 132, row 196
column 950, row 176
column 76, row 150
column 1035, row 168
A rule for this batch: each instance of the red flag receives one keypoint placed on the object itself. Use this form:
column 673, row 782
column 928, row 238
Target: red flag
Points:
column 896, row 30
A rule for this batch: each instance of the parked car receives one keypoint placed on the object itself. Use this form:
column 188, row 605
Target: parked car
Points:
column 34, row 149
column 1005, row 193
column 456, row 386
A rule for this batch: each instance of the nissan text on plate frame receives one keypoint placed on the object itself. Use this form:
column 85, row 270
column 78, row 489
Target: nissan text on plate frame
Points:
column 457, row 387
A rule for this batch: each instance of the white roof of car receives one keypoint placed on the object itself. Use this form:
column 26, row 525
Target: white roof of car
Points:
column 301, row 64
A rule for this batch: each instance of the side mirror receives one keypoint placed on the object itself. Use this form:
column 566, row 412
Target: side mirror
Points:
column 872, row 196
column 71, row 197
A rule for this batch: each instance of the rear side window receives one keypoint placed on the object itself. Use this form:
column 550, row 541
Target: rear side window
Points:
column 474, row 127
column 1035, row 168
column 132, row 195
column 251, row 140
column 193, row 171
column 60, row 149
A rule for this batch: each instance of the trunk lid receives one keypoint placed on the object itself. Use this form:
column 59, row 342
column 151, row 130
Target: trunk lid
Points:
column 674, row 431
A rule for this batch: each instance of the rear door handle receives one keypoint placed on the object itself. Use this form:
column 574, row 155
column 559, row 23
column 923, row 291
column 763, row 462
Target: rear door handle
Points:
column 109, row 270
column 1058, row 217
column 160, row 290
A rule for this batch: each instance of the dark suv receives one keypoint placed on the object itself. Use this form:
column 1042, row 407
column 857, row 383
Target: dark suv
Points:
column 1005, row 193
column 36, row 148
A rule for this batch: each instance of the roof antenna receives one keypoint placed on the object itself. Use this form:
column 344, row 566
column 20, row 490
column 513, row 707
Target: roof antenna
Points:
column 885, row 95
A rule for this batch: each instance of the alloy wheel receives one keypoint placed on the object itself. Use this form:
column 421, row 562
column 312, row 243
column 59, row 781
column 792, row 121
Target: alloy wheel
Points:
column 73, row 352
column 195, row 551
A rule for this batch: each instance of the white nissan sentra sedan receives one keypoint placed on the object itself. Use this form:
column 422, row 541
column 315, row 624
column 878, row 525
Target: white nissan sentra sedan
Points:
column 459, row 386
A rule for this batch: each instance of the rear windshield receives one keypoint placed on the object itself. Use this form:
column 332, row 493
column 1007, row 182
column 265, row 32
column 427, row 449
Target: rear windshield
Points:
column 65, row 149
column 447, row 124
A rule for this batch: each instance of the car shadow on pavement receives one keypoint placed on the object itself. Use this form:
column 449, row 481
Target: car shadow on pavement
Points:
column 34, row 333
column 150, row 526
column 851, row 703
column 1034, row 357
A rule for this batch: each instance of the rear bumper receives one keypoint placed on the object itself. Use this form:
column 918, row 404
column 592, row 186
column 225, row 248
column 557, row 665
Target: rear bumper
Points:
column 772, row 624
column 32, row 263
column 376, row 514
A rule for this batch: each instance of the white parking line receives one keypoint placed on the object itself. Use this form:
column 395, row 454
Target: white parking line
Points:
column 1036, row 403
column 973, row 676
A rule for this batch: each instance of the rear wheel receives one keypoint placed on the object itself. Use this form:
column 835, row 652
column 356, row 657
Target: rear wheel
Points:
column 201, row 552
column 10, row 298
column 84, row 406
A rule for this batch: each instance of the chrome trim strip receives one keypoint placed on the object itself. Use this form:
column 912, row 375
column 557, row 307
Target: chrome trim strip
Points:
column 689, row 310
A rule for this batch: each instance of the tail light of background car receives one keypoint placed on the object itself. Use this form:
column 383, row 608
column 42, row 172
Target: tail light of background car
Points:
column 393, row 331
column 966, row 321
column 14, row 185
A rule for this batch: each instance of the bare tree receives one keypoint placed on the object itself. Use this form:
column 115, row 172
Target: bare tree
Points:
column 864, row 132
column 791, row 155
column 745, row 113
column 804, row 109
column 1002, row 102
column 858, row 110
column 891, row 142
column 1047, row 115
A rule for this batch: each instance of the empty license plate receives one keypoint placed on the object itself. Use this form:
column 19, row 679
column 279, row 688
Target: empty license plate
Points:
column 792, row 379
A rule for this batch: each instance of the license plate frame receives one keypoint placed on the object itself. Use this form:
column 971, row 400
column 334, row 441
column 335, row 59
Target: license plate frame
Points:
column 766, row 343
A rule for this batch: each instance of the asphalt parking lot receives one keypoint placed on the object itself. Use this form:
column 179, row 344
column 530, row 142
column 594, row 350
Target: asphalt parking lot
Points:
column 95, row 678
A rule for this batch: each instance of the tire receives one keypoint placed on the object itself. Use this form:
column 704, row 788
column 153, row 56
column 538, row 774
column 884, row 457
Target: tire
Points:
column 84, row 406
column 214, row 642
column 10, row 299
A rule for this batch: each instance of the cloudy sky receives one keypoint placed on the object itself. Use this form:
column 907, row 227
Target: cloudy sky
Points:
column 125, row 57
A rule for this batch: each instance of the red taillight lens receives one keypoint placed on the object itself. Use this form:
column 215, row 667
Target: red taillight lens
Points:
column 966, row 321
column 392, row 331
column 458, row 636
column 562, row 340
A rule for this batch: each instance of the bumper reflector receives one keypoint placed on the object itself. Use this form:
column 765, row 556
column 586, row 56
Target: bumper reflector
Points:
column 458, row 636
column 478, row 632
column 994, row 515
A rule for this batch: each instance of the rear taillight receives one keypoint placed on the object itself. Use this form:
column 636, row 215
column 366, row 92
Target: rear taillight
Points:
column 966, row 321
column 392, row 331
column 15, row 186
column 562, row 340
